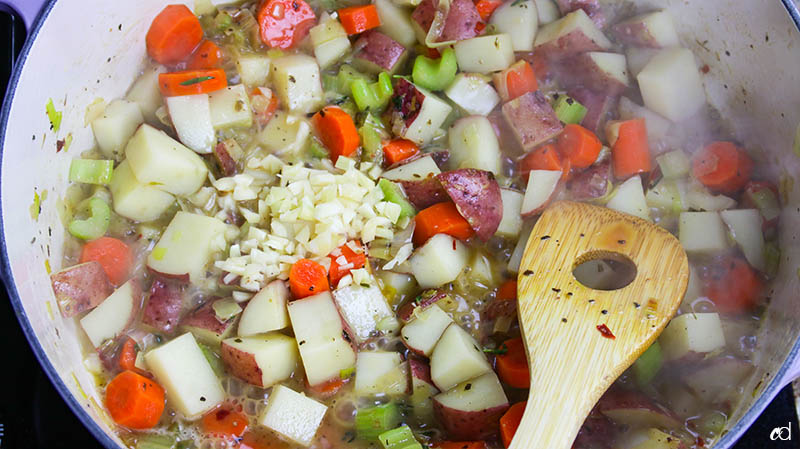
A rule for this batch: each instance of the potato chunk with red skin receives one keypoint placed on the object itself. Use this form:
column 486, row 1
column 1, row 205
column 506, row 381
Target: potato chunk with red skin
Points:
column 459, row 23
column 532, row 120
column 163, row 308
column 476, row 195
column 80, row 287
column 378, row 52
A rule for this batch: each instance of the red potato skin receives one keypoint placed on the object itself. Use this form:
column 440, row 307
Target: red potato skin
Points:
column 581, row 70
column 570, row 44
column 634, row 33
column 617, row 398
column 532, row 120
column 592, row 183
column 162, row 310
column 420, row 369
column 205, row 318
column 476, row 195
column 424, row 193
column 597, row 432
column 80, row 287
column 379, row 51
column 463, row 425
column 428, row 297
column 241, row 364
column 226, row 163
column 590, row 7
column 598, row 108
column 406, row 104
column 423, row 14
column 459, row 24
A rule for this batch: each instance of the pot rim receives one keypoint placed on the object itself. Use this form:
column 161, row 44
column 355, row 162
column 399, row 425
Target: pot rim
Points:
column 727, row 440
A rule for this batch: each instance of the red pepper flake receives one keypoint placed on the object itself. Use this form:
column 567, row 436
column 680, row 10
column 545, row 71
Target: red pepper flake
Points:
column 700, row 442
column 605, row 331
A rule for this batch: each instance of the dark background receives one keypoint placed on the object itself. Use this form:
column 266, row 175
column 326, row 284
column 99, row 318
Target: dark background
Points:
column 33, row 415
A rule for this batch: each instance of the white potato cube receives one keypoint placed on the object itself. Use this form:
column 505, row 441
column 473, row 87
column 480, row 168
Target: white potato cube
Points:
column 191, row 117
column 439, row 261
column 285, row 133
column 135, row 200
column 547, row 11
column 473, row 93
column 115, row 126
column 692, row 332
column 629, row 198
column 396, row 22
column 298, row 83
column 417, row 169
column 745, row 227
column 182, row 369
column 262, row 360
column 186, row 246
column 485, row 54
column 425, row 329
column 362, row 308
column 292, row 415
column 473, row 144
column 456, row 358
column 230, row 108
column 671, row 85
column 702, row 232
column 253, row 69
column 146, row 93
column 113, row 315
column 511, row 223
column 518, row 19
column 266, row 311
column 329, row 40
column 376, row 374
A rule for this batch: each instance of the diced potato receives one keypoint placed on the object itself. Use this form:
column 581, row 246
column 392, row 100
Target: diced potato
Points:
column 547, row 11
column 298, row 83
column 574, row 33
column 182, row 369
column 702, row 232
column 417, row 169
column 638, row 58
column 471, row 409
column 292, row 415
column 206, row 324
column 518, row 19
column 485, row 54
column 653, row 30
column 650, row 439
column 323, row 349
column 511, row 223
column 439, row 261
column 674, row 164
column 363, row 309
column 480, row 268
column 329, row 40
column 285, row 133
column 266, row 311
column 230, row 108
column 156, row 158
column 113, row 315
column 187, row 245
column 253, row 69
column 456, row 358
column 424, row 330
column 396, row 22
column 262, row 360
column 422, row 121
column 145, row 93
column 376, row 374
column 698, row 197
column 135, row 200
column 542, row 187
column 668, row 195
column 671, row 85
column 191, row 117
column 745, row 227
column 115, row 126
column 473, row 93
column 692, row 332
column 80, row 287
column 629, row 198
column 473, row 144
column 516, row 255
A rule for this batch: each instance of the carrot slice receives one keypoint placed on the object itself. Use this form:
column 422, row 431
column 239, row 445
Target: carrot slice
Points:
column 207, row 56
column 224, row 422
column 512, row 367
column 264, row 103
column 307, row 278
column 173, row 35
column 733, row 286
column 328, row 388
column 579, row 145
column 486, row 8
column 509, row 422
column 134, row 401
column 114, row 256
column 441, row 218
column 515, row 81
column 284, row 23
column 397, row 150
column 630, row 150
column 722, row 166
column 357, row 19
column 336, row 130
column 545, row 157
column 191, row 82
column 460, row 445
column 508, row 290
column 344, row 259
column 127, row 355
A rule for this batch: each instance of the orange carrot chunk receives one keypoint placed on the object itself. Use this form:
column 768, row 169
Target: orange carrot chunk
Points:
column 630, row 151
column 486, row 8
column 722, row 166
column 545, row 157
column 207, row 56
column 397, row 150
column 336, row 130
column 733, row 286
column 508, row 290
column 579, row 145
column 516, row 81
column 344, row 259
column 441, row 218
column 114, row 256
column 173, row 35
column 512, row 366
column 224, row 422
column 191, row 82
column 127, row 355
column 284, row 23
column 134, row 401
column 509, row 422
column 357, row 19
column 307, row 278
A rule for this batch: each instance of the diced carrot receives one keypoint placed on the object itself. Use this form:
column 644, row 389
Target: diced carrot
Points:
column 284, row 23
column 225, row 422
column 460, row 445
column 307, row 278
column 508, row 290
column 512, row 366
column 344, row 259
column 357, row 19
column 134, row 401
column 191, row 82
column 545, row 157
column 113, row 254
column 733, row 286
column 486, row 8
column 441, row 218
column 127, row 355
column 336, row 130
column 509, row 422
column 722, row 167
column 579, row 145
column 327, row 389
column 516, row 81
column 630, row 151
column 173, row 35
column 207, row 56
column 397, row 150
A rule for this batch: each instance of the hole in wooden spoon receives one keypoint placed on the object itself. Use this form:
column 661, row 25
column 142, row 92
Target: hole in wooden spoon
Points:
column 603, row 270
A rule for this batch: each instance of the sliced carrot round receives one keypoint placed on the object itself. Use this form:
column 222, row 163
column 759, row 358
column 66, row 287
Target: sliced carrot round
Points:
column 509, row 422
column 207, row 56
column 284, row 23
column 722, row 166
column 134, row 401
column 225, row 422
column 307, row 278
column 114, row 256
column 579, row 145
column 512, row 367
column 173, row 35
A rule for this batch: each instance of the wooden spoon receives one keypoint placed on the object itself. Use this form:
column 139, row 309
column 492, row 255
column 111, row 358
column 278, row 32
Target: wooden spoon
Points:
column 578, row 339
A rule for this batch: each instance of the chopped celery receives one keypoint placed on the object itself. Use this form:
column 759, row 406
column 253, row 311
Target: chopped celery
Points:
column 435, row 74
column 156, row 442
column 765, row 201
column 372, row 136
column 399, row 438
column 373, row 421
column 53, row 115
column 223, row 21
column 568, row 110
column 347, row 373
column 317, row 149
column 674, row 164
column 97, row 223
column 226, row 309
column 772, row 259
column 90, row 171
column 394, row 194
column 213, row 359
column 345, row 78
column 372, row 97
column 648, row 364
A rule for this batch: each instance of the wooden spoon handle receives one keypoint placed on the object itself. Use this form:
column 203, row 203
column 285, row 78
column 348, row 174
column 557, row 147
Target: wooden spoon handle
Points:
column 580, row 339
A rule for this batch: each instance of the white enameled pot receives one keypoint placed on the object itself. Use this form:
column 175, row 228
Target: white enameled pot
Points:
column 79, row 50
